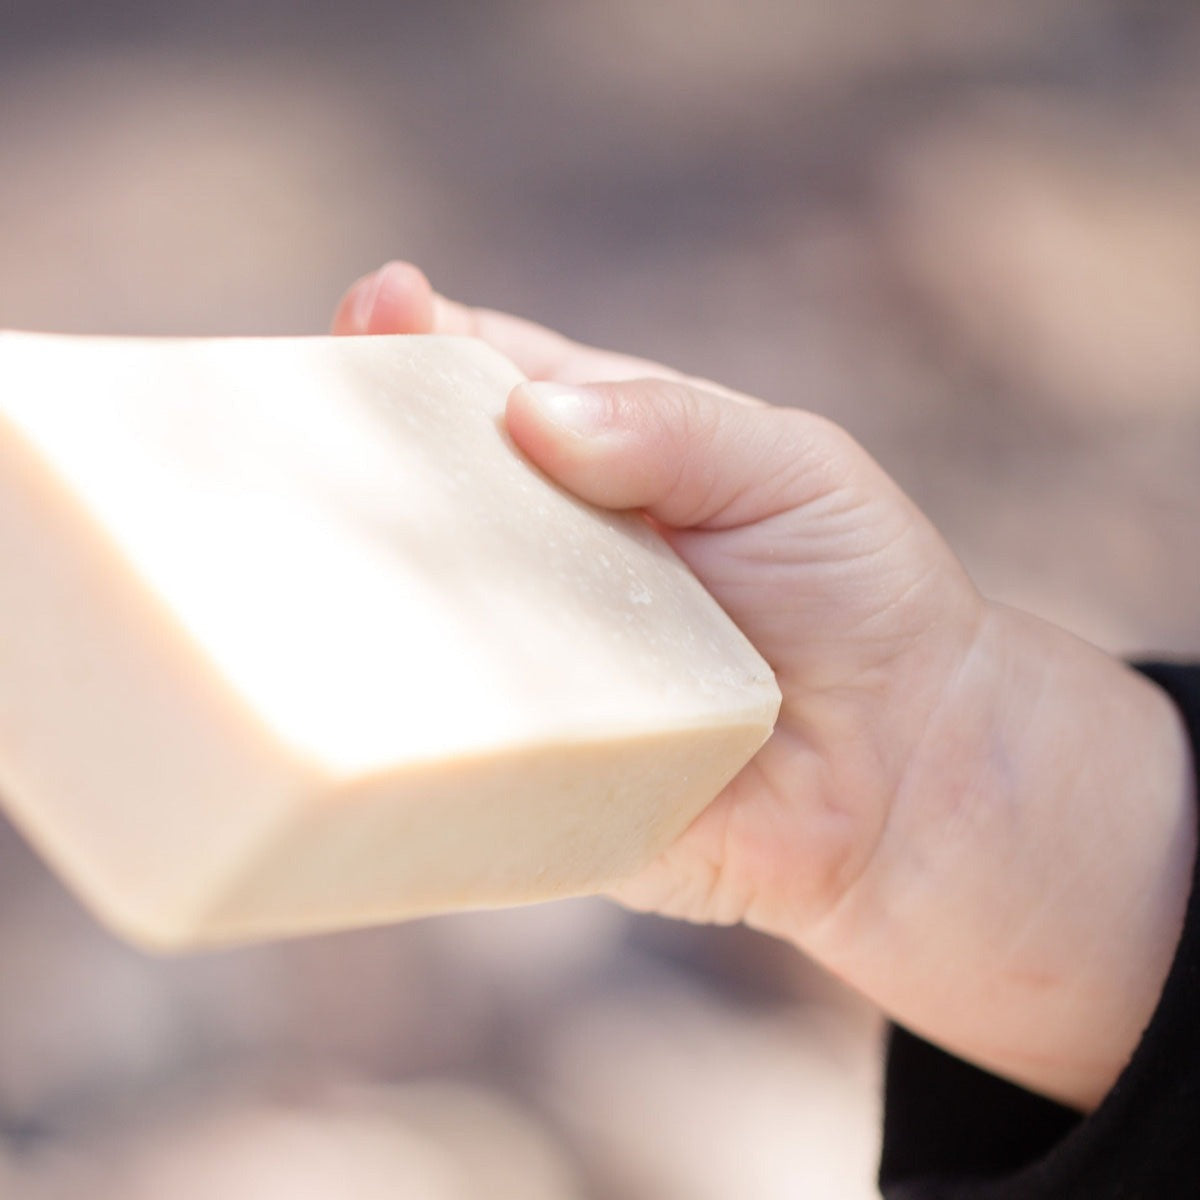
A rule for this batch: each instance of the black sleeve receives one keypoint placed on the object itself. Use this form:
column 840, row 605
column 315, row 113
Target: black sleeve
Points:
column 953, row 1132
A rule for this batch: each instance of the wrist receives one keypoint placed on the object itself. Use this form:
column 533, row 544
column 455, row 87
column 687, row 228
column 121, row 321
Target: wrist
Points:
column 1023, row 907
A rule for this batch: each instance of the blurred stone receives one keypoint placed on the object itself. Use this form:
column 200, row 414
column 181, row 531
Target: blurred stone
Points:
column 85, row 1019
column 531, row 954
column 377, row 1001
column 741, row 966
column 81, row 1017
column 760, row 51
column 1062, row 246
column 178, row 192
column 671, row 1095
column 437, row 1141
column 11, row 1186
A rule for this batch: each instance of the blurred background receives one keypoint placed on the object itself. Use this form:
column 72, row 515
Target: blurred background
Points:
column 970, row 232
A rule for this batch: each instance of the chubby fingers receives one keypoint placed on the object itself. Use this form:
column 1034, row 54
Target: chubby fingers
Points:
column 398, row 298
column 395, row 299
column 691, row 458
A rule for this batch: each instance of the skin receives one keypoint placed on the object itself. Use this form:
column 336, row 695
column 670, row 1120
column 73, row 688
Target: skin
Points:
column 978, row 821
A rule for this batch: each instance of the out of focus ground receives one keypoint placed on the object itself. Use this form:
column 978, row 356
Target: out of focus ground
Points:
column 969, row 232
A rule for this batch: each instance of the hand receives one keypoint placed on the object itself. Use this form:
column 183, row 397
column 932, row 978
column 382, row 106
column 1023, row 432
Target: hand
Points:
column 861, row 610
column 976, row 820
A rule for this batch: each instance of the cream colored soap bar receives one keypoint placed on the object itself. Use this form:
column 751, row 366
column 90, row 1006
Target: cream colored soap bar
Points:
column 292, row 638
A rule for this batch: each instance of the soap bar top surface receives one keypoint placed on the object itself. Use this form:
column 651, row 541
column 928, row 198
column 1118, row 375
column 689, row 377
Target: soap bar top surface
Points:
column 343, row 529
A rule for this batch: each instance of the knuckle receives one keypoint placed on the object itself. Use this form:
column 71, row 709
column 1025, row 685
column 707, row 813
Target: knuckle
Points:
column 826, row 457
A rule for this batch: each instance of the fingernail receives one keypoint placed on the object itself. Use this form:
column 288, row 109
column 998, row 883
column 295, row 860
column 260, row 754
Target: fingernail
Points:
column 365, row 296
column 579, row 410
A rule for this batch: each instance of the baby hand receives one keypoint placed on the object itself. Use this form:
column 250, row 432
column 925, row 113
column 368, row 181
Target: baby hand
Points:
column 857, row 604
column 978, row 821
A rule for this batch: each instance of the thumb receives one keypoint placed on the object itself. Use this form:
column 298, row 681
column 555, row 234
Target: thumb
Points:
column 800, row 535
column 691, row 458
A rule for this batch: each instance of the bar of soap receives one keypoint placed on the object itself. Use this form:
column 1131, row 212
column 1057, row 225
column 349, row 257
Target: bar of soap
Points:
column 292, row 638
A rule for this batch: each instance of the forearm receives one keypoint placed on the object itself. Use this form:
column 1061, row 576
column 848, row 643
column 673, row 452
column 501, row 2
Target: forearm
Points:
column 1050, row 809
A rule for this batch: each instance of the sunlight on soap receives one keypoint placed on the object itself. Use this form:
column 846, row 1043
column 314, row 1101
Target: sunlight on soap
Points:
column 289, row 599
column 373, row 594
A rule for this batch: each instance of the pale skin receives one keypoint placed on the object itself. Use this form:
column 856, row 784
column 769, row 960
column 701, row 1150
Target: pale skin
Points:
column 981, row 823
